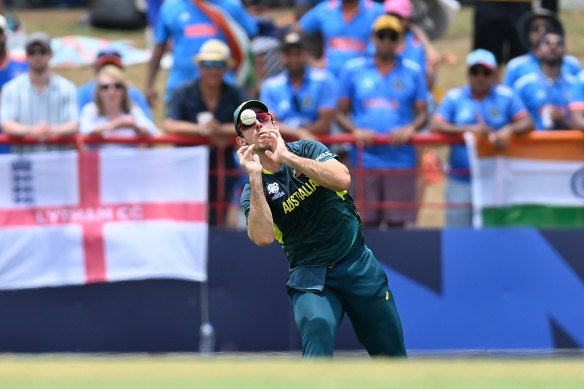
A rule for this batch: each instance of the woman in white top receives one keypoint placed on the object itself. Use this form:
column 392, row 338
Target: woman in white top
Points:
column 112, row 112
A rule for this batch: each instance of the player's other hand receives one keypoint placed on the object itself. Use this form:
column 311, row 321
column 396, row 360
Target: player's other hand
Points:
column 276, row 149
column 249, row 160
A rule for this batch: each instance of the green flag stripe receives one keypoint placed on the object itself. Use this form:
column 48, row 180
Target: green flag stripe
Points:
column 535, row 216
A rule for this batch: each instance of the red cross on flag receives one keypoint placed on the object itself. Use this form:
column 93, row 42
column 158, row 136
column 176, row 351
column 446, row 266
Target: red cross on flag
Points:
column 111, row 215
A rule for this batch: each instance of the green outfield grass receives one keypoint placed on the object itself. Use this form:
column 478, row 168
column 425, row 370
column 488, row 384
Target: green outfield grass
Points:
column 283, row 372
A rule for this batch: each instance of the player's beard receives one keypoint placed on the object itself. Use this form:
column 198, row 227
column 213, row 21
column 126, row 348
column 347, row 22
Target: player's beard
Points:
column 263, row 147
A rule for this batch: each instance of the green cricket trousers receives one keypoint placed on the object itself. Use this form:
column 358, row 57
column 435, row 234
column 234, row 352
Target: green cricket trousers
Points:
column 357, row 285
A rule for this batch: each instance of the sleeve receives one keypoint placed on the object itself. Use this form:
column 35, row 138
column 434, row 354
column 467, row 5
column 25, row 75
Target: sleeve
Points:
column 310, row 22
column 142, row 120
column 329, row 93
column 516, row 106
column 445, row 110
column 576, row 102
column 70, row 111
column 161, row 32
column 9, row 102
column 245, row 199
column 87, row 118
column 510, row 76
column 137, row 97
column 315, row 150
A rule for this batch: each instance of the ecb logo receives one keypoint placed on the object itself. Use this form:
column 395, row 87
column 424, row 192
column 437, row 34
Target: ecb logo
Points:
column 577, row 183
column 22, row 181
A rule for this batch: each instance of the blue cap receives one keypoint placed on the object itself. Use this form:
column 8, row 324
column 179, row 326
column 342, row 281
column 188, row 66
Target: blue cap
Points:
column 481, row 57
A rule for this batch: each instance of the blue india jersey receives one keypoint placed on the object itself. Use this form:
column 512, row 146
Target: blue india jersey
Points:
column 527, row 63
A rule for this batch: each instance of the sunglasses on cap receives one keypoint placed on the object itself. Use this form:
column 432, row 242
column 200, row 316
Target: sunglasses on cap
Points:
column 261, row 117
column 38, row 50
column 213, row 64
column 480, row 70
column 117, row 85
column 392, row 35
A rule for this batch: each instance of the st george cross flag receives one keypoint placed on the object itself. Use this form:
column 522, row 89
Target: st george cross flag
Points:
column 538, row 180
column 116, row 214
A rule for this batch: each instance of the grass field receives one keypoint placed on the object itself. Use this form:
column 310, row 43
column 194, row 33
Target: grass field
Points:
column 283, row 372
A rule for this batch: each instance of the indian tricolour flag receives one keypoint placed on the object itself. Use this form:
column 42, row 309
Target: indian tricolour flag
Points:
column 117, row 214
column 538, row 180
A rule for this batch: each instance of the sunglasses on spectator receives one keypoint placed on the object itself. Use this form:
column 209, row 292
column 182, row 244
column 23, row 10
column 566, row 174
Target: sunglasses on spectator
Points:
column 117, row 85
column 40, row 50
column 480, row 70
column 214, row 64
column 538, row 26
column 392, row 35
column 261, row 117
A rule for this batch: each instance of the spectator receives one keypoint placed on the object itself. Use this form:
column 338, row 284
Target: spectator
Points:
column 495, row 27
column 189, row 24
column 39, row 103
column 481, row 107
column 204, row 107
column 546, row 91
column 86, row 92
column 303, row 99
column 112, row 112
column 531, row 27
column 576, row 105
column 385, row 94
column 345, row 26
column 267, row 62
column 9, row 68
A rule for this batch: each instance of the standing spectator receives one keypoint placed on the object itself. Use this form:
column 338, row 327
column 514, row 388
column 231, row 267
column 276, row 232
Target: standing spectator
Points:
column 9, row 68
column 39, row 103
column 189, row 24
column 112, row 112
column 86, row 92
column 384, row 94
column 546, row 92
column 531, row 27
column 303, row 99
column 204, row 106
column 495, row 27
column 345, row 26
column 481, row 107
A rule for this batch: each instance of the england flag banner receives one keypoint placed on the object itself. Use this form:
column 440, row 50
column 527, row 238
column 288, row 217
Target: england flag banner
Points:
column 537, row 180
column 119, row 214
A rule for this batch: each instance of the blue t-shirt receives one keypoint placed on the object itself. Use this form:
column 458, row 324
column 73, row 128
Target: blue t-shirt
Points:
column 384, row 103
column 8, row 71
column 527, row 63
column 498, row 109
column 343, row 39
column 300, row 106
column 237, row 11
column 537, row 91
column 86, row 94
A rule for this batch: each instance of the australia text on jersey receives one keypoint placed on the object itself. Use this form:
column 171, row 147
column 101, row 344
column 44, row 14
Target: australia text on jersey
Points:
column 302, row 193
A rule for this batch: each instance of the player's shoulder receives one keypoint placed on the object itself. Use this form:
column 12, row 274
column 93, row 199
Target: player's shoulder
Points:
column 503, row 90
column 356, row 64
column 411, row 65
column 276, row 80
column 454, row 93
column 518, row 62
column 525, row 80
column 572, row 61
column 319, row 74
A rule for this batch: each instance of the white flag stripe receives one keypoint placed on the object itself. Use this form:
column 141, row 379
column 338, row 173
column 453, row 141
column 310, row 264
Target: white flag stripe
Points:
column 510, row 181
column 128, row 179
column 157, row 249
column 41, row 256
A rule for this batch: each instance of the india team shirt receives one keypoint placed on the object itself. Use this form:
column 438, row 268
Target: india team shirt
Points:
column 412, row 50
column 344, row 39
column 298, row 106
column 498, row 109
column 315, row 225
column 537, row 91
column 189, row 28
column 577, row 94
column 384, row 103
column 527, row 63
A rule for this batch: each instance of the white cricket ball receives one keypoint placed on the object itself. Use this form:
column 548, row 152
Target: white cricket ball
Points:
column 248, row 117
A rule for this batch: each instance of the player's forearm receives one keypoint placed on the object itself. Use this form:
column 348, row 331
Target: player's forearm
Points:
column 260, row 225
column 332, row 174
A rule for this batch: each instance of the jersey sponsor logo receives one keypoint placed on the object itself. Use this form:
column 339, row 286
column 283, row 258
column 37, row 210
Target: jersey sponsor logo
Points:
column 324, row 155
column 275, row 190
column 347, row 44
column 200, row 30
column 292, row 202
column 381, row 103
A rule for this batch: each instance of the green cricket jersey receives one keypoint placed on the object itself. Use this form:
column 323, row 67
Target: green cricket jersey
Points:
column 315, row 225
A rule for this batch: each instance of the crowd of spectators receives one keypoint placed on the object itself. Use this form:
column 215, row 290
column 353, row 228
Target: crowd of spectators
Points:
column 344, row 66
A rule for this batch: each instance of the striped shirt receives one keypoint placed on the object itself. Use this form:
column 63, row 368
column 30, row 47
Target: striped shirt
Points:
column 22, row 103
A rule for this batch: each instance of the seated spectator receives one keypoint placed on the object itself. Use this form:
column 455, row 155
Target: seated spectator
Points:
column 9, row 67
column 481, row 107
column 204, row 106
column 303, row 99
column 112, row 112
column 546, row 91
column 86, row 92
column 531, row 27
column 39, row 103
column 385, row 94
column 576, row 104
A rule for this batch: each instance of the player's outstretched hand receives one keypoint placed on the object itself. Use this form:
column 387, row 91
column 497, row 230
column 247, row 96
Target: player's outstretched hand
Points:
column 277, row 150
column 249, row 160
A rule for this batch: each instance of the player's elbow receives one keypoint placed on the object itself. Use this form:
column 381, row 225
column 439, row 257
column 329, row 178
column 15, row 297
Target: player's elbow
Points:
column 261, row 239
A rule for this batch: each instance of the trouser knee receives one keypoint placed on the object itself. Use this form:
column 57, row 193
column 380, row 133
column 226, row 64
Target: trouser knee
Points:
column 318, row 337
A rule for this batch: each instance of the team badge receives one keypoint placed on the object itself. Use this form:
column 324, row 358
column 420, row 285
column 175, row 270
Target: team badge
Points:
column 494, row 113
column 398, row 85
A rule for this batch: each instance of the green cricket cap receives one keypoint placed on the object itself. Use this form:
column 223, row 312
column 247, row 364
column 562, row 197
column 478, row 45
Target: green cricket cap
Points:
column 245, row 105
